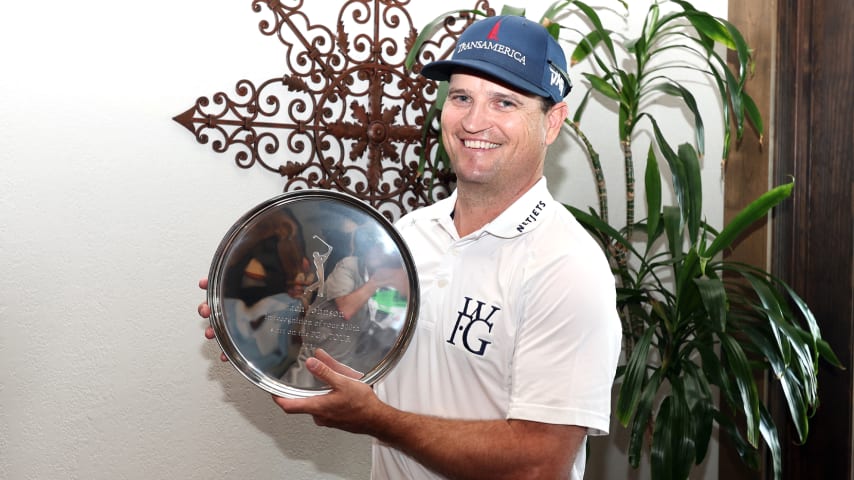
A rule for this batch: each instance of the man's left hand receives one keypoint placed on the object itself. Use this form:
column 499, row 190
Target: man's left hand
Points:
column 349, row 406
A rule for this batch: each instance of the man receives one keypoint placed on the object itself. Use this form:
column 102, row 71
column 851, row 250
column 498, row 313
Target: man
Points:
column 517, row 342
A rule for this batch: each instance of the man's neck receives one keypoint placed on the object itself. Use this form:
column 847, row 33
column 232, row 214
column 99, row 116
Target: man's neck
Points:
column 477, row 205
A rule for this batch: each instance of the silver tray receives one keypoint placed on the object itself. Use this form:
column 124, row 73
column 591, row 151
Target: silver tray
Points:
column 290, row 276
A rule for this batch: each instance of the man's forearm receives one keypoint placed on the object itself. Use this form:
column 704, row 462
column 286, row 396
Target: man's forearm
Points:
column 458, row 449
column 477, row 449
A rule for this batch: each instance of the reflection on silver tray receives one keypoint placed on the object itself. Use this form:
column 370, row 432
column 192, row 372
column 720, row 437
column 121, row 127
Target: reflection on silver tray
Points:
column 306, row 270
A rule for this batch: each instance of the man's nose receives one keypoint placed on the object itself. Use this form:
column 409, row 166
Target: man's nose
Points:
column 477, row 118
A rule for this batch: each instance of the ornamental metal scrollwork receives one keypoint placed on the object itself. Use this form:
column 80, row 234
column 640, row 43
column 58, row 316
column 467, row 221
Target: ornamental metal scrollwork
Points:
column 347, row 115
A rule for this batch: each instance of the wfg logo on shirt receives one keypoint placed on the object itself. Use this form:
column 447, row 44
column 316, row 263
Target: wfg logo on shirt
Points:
column 471, row 322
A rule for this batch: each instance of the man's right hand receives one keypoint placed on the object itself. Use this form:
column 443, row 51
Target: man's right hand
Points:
column 205, row 312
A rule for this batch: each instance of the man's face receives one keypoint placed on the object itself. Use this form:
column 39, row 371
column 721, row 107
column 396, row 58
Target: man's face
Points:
column 495, row 136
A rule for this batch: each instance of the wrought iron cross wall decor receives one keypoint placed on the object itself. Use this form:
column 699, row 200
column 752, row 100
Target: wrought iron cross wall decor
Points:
column 345, row 115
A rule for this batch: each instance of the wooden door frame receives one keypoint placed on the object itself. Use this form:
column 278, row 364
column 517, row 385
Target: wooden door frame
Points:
column 809, row 115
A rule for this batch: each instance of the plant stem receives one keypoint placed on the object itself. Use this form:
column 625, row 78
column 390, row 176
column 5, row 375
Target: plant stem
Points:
column 601, row 189
column 630, row 187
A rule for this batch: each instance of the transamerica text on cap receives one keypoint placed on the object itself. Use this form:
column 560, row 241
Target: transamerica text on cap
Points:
column 496, row 47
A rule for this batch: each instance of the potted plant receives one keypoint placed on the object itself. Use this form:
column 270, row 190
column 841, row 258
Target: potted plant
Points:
column 693, row 323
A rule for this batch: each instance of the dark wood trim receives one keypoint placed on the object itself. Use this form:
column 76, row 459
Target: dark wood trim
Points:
column 747, row 173
column 747, row 169
column 811, row 139
column 813, row 240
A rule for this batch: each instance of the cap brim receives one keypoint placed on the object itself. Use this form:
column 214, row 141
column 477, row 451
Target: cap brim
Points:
column 442, row 69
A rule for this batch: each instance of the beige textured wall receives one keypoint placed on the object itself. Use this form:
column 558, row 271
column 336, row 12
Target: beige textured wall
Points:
column 109, row 214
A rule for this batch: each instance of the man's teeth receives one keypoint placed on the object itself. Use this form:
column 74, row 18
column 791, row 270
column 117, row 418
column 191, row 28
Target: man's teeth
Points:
column 479, row 144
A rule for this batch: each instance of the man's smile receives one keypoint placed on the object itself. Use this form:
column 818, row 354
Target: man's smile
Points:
column 480, row 144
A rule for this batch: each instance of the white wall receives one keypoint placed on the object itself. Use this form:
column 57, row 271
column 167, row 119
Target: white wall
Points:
column 110, row 213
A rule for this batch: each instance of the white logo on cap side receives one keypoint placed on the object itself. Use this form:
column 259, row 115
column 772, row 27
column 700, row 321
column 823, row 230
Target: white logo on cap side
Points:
column 557, row 79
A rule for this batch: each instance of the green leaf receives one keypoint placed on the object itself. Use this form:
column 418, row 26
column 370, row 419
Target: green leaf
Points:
column 585, row 46
column 789, row 383
column 593, row 222
column 680, row 176
column 793, row 355
column 725, row 111
column 582, row 106
column 753, row 113
column 650, row 23
column 673, row 228
column 827, row 353
column 675, row 89
column 689, row 303
column 772, row 310
column 600, row 85
column 554, row 9
column 789, row 335
column 772, row 439
column 714, row 297
column 591, row 15
column 428, row 31
column 712, row 28
column 554, row 30
column 441, row 96
column 753, row 212
column 741, row 48
column 633, row 381
column 749, row 455
column 661, row 444
column 432, row 113
column 516, row 11
column 683, row 446
column 694, row 190
column 793, row 391
column 711, row 363
column 672, row 452
column 698, row 391
column 707, row 25
column 652, row 182
column 641, row 419
column 735, row 95
column 740, row 369
column 821, row 346
column 767, row 346
column 630, row 90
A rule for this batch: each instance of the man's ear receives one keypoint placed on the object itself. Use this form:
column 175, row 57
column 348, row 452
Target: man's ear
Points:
column 554, row 121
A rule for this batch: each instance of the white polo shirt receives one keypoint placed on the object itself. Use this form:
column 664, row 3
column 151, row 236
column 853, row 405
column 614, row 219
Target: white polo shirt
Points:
column 517, row 320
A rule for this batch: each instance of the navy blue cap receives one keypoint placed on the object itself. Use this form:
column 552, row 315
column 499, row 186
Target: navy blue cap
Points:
column 513, row 50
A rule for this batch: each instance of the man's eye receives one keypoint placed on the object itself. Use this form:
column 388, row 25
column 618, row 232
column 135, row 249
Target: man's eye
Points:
column 460, row 98
column 505, row 104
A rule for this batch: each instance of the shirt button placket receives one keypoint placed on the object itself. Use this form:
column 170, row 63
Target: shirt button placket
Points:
column 450, row 258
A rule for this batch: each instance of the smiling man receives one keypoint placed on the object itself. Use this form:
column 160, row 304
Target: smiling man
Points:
column 518, row 337
column 517, row 342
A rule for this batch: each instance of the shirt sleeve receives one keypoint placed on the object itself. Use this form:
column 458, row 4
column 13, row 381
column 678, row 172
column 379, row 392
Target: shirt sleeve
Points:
column 568, row 342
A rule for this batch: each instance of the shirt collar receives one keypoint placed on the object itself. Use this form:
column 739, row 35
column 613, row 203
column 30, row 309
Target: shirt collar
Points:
column 524, row 215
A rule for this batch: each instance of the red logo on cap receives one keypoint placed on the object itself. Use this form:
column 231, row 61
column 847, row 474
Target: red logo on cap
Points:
column 493, row 34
